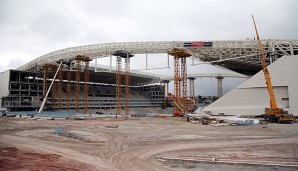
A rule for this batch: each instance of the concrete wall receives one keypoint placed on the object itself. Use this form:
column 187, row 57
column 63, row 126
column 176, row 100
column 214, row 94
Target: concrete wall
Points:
column 251, row 97
column 4, row 84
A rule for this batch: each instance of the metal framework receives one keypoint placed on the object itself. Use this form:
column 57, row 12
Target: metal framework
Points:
column 127, row 84
column 184, row 82
column 77, row 87
column 45, row 79
column 48, row 91
column 54, row 95
column 60, row 88
column 86, row 88
column 176, row 81
column 235, row 55
column 180, row 54
column 69, row 77
column 205, row 75
column 118, row 85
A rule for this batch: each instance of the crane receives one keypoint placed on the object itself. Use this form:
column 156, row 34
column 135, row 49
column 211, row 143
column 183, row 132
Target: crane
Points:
column 272, row 114
column 181, row 106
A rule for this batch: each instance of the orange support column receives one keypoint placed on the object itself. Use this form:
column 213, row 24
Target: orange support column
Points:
column 184, row 84
column 77, row 93
column 127, row 84
column 60, row 88
column 180, row 54
column 68, row 88
column 86, row 87
column 118, row 85
column 176, row 84
column 45, row 80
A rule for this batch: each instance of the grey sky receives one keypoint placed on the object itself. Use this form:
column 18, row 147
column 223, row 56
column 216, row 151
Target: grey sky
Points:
column 31, row 28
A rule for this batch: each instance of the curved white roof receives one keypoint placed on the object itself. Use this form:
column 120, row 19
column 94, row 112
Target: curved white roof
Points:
column 235, row 55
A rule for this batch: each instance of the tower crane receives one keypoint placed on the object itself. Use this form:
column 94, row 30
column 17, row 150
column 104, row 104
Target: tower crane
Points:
column 272, row 114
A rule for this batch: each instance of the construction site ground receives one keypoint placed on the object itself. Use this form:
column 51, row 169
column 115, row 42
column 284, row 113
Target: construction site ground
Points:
column 147, row 144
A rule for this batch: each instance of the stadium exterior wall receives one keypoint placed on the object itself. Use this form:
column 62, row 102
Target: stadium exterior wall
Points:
column 251, row 97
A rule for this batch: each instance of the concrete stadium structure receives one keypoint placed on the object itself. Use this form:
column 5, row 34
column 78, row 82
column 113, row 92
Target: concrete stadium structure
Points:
column 22, row 89
column 251, row 97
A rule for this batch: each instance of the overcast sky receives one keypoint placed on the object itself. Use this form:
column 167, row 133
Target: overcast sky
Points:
column 31, row 28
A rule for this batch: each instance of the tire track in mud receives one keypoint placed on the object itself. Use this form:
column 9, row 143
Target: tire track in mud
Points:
column 142, row 158
column 56, row 148
column 115, row 143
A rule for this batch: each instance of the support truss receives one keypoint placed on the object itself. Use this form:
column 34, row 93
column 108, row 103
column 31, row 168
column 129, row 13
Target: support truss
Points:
column 127, row 85
column 86, row 88
column 118, row 85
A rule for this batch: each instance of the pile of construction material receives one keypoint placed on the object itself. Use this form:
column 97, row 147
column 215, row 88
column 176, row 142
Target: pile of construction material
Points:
column 144, row 115
column 221, row 120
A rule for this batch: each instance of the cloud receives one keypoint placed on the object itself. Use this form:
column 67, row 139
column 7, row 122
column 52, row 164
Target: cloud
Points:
column 32, row 28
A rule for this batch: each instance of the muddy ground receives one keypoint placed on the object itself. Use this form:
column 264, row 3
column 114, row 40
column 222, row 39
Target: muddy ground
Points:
column 145, row 144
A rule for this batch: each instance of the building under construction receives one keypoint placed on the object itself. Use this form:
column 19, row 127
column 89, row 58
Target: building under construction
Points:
column 24, row 91
column 65, row 80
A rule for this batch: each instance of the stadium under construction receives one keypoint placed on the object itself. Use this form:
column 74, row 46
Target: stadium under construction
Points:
column 64, row 80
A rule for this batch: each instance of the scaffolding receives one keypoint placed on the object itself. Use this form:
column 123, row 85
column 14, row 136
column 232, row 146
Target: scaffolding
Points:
column 69, row 78
column 126, row 56
column 184, row 83
column 176, row 83
column 118, row 85
column 80, row 59
column 86, row 87
column 45, row 79
column 60, row 89
column 180, row 79
column 77, row 86
column 127, row 84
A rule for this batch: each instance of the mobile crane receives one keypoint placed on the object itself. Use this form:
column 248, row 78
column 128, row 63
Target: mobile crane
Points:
column 272, row 114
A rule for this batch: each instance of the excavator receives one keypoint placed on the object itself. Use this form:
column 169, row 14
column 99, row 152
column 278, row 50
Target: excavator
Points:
column 272, row 114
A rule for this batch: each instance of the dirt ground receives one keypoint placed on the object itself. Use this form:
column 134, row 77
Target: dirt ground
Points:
column 146, row 144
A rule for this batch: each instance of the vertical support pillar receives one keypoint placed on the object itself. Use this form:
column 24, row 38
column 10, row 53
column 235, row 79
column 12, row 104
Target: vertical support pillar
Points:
column 184, row 84
column 127, row 84
column 118, row 85
column 219, row 86
column 192, row 92
column 45, row 80
column 86, row 88
column 54, row 95
column 291, row 48
column 180, row 54
column 77, row 87
column 166, row 91
column 68, row 88
column 60, row 88
column 176, row 81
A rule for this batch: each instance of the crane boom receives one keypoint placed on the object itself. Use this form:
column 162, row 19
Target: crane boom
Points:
column 273, row 104
column 273, row 114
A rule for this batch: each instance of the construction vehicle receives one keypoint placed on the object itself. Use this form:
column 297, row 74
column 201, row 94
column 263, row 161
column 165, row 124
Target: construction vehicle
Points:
column 272, row 114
